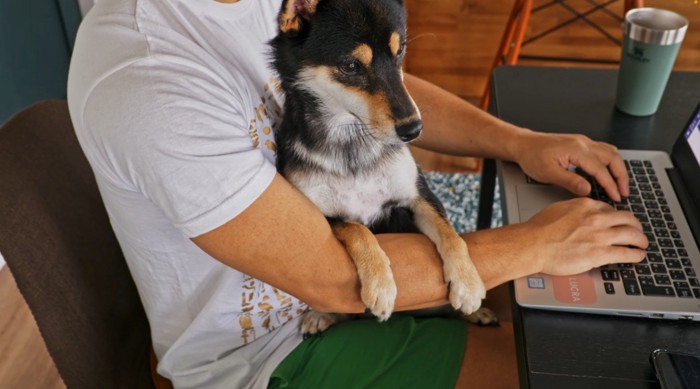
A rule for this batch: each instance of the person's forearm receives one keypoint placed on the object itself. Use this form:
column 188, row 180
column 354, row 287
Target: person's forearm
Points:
column 454, row 126
column 500, row 255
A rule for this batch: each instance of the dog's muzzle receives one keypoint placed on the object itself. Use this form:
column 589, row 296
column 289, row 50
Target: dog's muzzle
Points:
column 410, row 130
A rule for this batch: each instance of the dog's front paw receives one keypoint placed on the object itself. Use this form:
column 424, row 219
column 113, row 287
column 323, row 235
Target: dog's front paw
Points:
column 466, row 287
column 379, row 289
column 314, row 322
column 483, row 317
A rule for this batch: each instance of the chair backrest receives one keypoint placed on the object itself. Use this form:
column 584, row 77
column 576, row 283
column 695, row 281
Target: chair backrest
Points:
column 56, row 238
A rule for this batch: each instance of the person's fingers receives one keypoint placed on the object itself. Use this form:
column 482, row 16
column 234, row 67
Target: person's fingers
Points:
column 618, row 170
column 619, row 254
column 570, row 181
column 626, row 236
column 613, row 218
column 596, row 169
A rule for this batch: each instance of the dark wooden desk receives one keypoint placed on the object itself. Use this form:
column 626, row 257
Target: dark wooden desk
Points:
column 568, row 350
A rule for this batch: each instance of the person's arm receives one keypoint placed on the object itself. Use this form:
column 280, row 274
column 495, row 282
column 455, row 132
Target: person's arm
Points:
column 284, row 240
column 454, row 126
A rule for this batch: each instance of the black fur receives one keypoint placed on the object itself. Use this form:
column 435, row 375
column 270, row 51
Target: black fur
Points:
column 327, row 38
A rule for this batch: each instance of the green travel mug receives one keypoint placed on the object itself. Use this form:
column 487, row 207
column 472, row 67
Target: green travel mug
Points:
column 651, row 42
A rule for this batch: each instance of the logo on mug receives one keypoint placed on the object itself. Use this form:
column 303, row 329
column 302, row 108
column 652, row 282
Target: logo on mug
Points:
column 637, row 54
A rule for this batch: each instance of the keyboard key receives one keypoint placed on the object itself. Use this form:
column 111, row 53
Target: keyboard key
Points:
column 647, row 163
column 610, row 275
column 682, row 252
column 671, row 225
column 677, row 275
column 654, row 257
column 649, row 204
column 635, row 200
column 651, row 172
column 656, row 185
column 655, row 213
column 658, row 268
column 675, row 234
column 668, row 253
column 668, row 217
column 653, row 248
column 665, row 208
column 648, row 196
column 653, row 179
column 645, row 187
column 662, row 201
column 661, row 232
column 642, row 269
column 631, row 287
column 673, row 264
column 686, row 262
column 658, row 223
column 696, row 292
column 685, row 293
column 690, row 272
column 662, row 279
column 659, row 193
column 665, row 242
column 678, row 243
column 628, row 275
column 638, row 171
column 636, row 163
column 610, row 288
column 650, row 237
column 694, row 282
column 662, row 291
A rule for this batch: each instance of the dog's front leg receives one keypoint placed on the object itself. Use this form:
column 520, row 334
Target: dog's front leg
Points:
column 378, row 289
column 466, row 287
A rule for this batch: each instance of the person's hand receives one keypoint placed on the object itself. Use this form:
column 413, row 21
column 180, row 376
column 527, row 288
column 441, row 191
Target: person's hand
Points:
column 547, row 157
column 574, row 236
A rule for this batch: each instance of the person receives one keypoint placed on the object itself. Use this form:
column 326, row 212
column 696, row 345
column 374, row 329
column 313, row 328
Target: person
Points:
column 174, row 104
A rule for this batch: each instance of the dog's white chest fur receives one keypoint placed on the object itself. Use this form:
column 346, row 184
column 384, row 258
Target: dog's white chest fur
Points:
column 362, row 198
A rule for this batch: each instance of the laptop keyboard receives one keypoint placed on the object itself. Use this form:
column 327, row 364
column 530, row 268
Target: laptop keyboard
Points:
column 666, row 270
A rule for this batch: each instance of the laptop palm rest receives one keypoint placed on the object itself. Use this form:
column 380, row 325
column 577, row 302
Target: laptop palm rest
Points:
column 533, row 198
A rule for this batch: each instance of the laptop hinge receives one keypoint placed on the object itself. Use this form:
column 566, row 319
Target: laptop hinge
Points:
column 689, row 209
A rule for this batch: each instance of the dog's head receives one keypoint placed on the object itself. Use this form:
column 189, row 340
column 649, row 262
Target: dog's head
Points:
column 347, row 54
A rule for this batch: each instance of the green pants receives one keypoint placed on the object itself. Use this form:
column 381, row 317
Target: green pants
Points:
column 404, row 352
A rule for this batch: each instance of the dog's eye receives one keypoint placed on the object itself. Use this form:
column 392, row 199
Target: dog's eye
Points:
column 402, row 49
column 350, row 68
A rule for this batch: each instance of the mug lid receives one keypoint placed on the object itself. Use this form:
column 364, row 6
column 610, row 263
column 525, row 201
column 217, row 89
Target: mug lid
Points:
column 655, row 26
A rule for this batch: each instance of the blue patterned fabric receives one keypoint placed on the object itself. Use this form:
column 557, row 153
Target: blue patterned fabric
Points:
column 459, row 194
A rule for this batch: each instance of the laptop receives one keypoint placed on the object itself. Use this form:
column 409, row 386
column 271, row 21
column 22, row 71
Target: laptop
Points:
column 665, row 197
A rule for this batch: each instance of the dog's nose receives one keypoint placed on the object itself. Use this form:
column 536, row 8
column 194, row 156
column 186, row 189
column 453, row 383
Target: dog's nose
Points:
column 410, row 130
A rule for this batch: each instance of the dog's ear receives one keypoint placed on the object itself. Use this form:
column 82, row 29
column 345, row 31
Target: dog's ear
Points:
column 294, row 12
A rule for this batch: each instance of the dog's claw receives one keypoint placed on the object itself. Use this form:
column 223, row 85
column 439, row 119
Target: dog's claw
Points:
column 315, row 322
column 483, row 317
column 466, row 287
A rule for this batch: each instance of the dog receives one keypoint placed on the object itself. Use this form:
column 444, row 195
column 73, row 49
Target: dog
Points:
column 343, row 138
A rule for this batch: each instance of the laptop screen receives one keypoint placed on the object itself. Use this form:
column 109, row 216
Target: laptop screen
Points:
column 686, row 157
column 692, row 135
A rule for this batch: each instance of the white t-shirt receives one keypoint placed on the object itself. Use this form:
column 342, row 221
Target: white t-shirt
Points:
column 174, row 104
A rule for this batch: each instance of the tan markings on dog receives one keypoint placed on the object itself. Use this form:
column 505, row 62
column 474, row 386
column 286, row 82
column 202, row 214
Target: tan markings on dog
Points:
column 432, row 224
column 289, row 19
column 378, row 290
column 363, row 53
column 379, row 112
column 466, row 287
column 395, row 43
column 362, row 247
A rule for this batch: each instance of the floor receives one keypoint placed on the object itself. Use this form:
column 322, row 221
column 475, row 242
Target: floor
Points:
column 452, row 43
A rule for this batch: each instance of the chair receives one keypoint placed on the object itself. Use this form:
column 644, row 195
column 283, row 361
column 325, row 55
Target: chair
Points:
column 57, row 241
column 508, row 53
column 513, row 38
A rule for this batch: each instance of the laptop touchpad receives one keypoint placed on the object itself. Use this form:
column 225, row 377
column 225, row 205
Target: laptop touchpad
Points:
column 533, row 198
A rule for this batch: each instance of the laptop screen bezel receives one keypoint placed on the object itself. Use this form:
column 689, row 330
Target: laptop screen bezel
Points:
column 685, row 161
